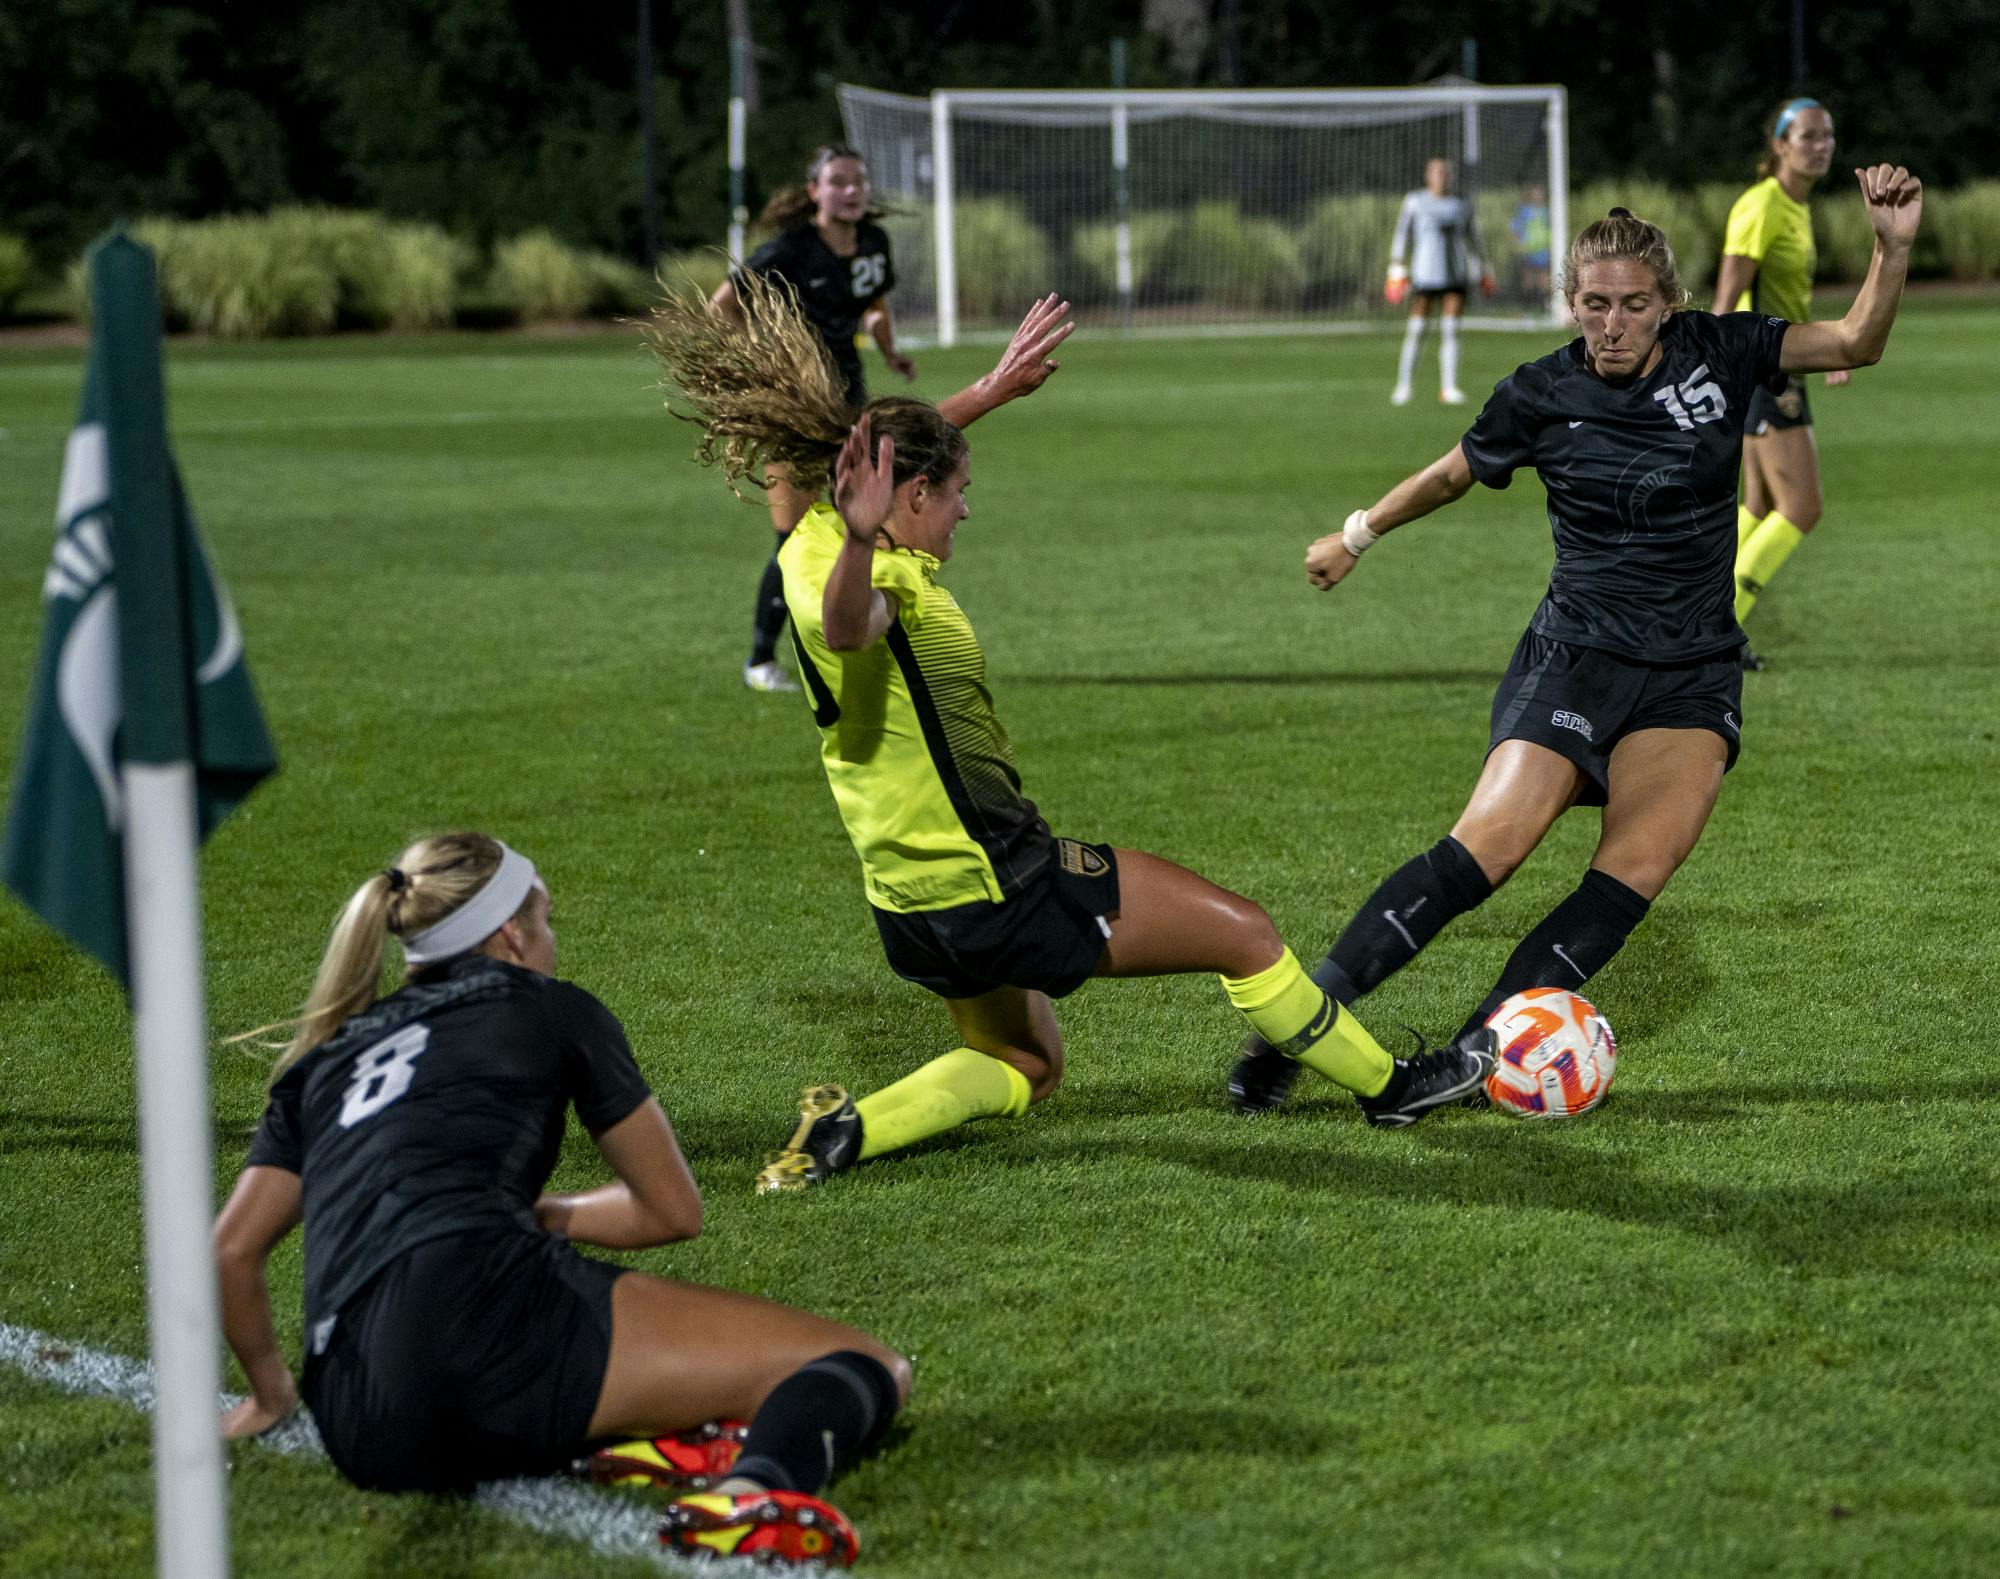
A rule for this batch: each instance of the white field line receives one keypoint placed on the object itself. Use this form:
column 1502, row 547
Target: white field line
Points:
column 613, row 1526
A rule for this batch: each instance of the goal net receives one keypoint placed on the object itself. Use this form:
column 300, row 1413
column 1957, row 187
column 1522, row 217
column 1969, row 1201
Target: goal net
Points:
column 1194, row 211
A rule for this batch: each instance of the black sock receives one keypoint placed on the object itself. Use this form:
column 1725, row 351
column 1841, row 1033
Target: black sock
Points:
column 821, row 1417
column 770, row 623
column 1405, row 913
column 1574, row 942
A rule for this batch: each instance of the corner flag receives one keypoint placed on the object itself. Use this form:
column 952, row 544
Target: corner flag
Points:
column 143, row 732
column 141, row 657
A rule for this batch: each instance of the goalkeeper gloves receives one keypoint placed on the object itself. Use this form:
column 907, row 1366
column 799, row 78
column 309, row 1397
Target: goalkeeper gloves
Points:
column 1397, row 286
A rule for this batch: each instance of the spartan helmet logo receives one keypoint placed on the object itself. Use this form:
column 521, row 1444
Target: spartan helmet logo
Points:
column 1081, row 859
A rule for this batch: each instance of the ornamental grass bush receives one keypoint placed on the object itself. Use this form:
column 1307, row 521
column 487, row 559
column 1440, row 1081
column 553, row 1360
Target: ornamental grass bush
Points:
column 1004, row 258
column 1231, row 259
column 298, row 271
column 696, row 270
column 1966, row 223
column 538, row 278
column 1344, row 245
column 1093, row 250
column 13, row 269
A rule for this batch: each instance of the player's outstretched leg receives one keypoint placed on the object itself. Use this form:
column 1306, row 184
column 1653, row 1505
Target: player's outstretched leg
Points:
column 1663, row 785
column 1012, row 1058
column 1521, row 791
column 1171, row 920
column 818, row 1394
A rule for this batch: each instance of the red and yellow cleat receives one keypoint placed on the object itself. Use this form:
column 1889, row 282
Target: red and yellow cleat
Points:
column 685, row 1461
column 771, row 1526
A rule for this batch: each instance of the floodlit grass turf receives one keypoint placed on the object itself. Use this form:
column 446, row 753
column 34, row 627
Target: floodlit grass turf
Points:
column 1740, row 1321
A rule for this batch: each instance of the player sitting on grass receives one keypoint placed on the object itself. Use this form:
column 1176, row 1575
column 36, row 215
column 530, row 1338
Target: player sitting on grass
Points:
column 1626, row 691
column 975, row 899
column 453, row 1335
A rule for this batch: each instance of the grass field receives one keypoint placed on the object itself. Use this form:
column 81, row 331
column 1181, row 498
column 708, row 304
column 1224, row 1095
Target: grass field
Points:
column 1741, row 1321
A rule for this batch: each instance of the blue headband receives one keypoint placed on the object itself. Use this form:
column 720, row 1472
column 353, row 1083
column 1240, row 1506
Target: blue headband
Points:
column 1790, row 113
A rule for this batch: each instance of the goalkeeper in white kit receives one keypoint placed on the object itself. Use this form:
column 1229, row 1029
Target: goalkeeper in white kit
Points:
column 1439, row 237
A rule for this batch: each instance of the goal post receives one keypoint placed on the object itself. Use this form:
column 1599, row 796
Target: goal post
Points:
column 1197, row 211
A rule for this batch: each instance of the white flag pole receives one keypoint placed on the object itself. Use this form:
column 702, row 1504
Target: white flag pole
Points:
column 177, row 1167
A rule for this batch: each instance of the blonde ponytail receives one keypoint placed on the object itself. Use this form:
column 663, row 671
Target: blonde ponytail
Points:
column 428, row 881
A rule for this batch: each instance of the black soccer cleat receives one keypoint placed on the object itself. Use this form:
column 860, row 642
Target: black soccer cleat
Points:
column 1262, row 1077
column 1427, row 1080
column 827, row 1141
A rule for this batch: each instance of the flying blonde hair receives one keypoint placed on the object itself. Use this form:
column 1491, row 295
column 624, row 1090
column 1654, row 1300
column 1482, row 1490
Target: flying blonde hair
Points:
column 769, row 396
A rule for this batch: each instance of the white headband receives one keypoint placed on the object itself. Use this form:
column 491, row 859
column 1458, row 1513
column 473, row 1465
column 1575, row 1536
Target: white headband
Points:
column 473, row 922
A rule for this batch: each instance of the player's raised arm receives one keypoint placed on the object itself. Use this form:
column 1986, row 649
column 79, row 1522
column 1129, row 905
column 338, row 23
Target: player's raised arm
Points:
column 1446, row 480
column 854, row 612
column 1895, row 203
column 1023, row 368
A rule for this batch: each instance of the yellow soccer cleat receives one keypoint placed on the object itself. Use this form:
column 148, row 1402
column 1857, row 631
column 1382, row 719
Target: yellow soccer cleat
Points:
column 827, row 1141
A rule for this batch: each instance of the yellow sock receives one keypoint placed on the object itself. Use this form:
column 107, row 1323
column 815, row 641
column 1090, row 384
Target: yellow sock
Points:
column 963, row 1085
column 1746, row 523
column 1759, row 558
column 1288, row 1009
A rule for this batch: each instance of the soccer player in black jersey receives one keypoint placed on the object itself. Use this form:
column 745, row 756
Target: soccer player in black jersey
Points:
column 835, row 257
column 1626, row 690
column 453, row 1334
column 974, row 897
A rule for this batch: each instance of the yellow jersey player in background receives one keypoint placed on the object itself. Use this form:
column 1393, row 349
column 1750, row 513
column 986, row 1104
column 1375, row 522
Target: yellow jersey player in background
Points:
column 1768, row 259
column 975, row 899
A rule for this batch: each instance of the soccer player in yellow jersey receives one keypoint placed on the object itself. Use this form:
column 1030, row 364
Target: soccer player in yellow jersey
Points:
column 1768, row 259
column 975, row 898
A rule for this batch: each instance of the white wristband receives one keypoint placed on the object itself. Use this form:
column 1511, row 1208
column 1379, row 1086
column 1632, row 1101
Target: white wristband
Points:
column 1355, row 536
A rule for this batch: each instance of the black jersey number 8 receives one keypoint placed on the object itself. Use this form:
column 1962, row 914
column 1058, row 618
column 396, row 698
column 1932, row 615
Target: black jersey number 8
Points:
column 382, row 1073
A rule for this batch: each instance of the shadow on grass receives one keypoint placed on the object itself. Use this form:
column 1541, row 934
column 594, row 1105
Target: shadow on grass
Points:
column 1359, row 677
column 1834, row 1225
column 20, row 1132
column 1138, row 1431
column 439, row 1537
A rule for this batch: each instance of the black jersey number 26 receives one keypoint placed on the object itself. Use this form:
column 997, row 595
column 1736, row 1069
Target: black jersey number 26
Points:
column 382, row 1073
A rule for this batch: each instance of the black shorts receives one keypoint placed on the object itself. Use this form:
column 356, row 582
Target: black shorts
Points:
column 1437, row 293
column 1769, row 413
column 470, row 1358
column 1581, row 702
column 1048, row 938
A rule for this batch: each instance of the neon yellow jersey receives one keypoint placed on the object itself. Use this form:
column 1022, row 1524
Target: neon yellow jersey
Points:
column 921, row 770
column 1766, row 225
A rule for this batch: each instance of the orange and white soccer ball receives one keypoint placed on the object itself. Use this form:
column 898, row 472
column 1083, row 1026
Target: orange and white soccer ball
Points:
column 1556, row 1055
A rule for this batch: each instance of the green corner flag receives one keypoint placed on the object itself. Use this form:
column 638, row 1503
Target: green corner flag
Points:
column 141, row 657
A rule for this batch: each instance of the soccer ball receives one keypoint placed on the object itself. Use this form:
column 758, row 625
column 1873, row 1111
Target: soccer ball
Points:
column 1556, row 1055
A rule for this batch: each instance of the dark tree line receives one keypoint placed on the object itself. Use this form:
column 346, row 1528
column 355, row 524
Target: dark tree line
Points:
column 493, row 116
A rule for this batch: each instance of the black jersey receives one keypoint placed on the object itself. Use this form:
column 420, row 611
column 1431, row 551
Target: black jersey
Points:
column 439, row 1110
column 833, row 291
column 1641, row 479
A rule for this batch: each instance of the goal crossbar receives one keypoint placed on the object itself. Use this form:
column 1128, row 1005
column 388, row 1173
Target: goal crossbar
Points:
column 1104, row 187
